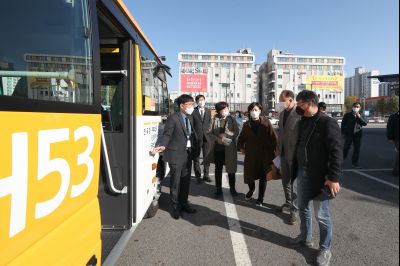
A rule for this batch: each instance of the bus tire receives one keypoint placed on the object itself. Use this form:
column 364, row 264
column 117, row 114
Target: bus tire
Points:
column 152, row 210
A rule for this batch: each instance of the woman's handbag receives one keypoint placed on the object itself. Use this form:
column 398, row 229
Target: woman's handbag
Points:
column 273, row 174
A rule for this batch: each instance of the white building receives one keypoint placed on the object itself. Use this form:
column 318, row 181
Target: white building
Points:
column 286, row 71
column 360, row 85
column 219, row 77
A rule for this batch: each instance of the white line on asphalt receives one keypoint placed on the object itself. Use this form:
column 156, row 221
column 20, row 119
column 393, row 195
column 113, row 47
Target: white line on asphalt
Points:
column 240, row 251
column 368, row 170
column 376, row 179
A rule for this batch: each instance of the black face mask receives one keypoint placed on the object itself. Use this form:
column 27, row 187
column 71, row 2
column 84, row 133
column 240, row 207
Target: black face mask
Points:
column 300, row 111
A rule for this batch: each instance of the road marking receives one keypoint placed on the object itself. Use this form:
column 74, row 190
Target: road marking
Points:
column 240, row 251
column 376, row 179
column 368, row 170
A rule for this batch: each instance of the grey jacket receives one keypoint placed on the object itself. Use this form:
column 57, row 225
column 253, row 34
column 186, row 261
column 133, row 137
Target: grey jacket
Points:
column 287, row 140
column 231, row 131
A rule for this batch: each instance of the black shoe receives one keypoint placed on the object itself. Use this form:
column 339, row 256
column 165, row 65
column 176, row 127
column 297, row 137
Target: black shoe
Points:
column 207, row 179
column 176, row 213
column 199, row 181
column 218, row 193
column 356, row 166
column 259, row 202
column 233, row 192
column 248, row 195
column 189, row 209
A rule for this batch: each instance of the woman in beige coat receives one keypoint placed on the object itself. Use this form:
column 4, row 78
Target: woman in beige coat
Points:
column 223, row 132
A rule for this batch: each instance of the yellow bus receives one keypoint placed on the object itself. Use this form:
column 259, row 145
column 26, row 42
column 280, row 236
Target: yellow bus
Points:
column 82, row 97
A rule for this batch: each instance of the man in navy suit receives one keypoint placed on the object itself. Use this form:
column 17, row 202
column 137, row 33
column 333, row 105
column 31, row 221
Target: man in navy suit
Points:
column 202, row 119
column 180, row 146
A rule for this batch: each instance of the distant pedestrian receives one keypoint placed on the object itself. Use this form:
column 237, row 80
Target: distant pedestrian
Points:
column 239, row 119
column 319, row 159
column 180, row 145
column 352, row 124
column 322, row 107
column 202, row 119
column 287, row 140
column 223, row 132
column 392, row 132
column 257, row 142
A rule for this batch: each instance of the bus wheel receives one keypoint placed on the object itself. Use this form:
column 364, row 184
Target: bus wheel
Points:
column 152, row 210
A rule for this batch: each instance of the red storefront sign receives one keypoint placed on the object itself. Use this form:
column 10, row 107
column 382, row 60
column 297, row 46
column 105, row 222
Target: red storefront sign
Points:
column 193, row 83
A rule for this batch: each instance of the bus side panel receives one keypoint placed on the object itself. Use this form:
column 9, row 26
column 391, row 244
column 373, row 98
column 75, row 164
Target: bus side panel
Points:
column 146, row 181
column 49, row 169
column 73, row 242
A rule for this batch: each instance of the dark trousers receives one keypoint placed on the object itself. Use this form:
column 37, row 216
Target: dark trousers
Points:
column 219, row 159
column 396, row 159
column 289, row 187
column 180, row 173
column 356, row 141
column 262, row 186
column 206, row 167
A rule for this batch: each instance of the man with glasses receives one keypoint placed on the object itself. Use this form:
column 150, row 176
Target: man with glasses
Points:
column 319, row 160
column 179, row 141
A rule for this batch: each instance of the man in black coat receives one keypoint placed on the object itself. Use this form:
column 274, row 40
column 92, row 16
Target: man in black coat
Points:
column 319, row 158
column 352, row 124
column 392, row 132
column 202, row 119
column 179, row 144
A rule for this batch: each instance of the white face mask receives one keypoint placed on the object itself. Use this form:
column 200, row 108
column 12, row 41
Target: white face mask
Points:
column 225, row 113
column 189, row 110
column 201, row 104
column 356, row 110
column 279, row 107
column 255, row 114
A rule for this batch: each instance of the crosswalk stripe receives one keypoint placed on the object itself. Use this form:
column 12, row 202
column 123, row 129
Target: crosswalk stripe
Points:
column 376, row 179
column 240, row 251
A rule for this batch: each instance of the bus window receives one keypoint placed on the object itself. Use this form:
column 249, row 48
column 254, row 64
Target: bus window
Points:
column 46, row 55
column 155, row 94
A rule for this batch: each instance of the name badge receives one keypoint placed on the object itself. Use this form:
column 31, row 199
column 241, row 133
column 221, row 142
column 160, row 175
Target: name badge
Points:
column 188, row 144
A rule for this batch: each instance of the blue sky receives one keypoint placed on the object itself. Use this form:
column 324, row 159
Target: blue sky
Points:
column 365, row 32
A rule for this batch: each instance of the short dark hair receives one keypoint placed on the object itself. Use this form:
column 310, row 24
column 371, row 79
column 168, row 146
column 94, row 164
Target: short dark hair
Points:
column 357, row 103
column 288, row 94
column 308, row 96
column 252, row 105
column 322, row 105
column 184, row 98
column 198, row 97
column 221, row 105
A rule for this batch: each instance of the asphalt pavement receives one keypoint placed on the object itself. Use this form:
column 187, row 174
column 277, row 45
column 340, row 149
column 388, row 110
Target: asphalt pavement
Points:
column 365, row 221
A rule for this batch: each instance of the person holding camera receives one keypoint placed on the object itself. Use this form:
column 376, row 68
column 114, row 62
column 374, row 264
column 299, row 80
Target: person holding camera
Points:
column 319, row 159
column 352, row 124
column 222, row 134
column 258, row 142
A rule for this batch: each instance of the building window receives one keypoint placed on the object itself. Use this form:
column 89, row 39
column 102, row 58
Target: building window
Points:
column 248, row 76
column 279, row 76
column 248, row 85
column 238, row 95
column 216, row 75
column 279, row 86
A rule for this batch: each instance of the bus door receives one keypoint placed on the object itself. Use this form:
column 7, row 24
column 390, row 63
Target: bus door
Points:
column 115, row 185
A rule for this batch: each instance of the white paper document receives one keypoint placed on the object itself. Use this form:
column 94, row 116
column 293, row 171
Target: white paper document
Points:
column 277, row 161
